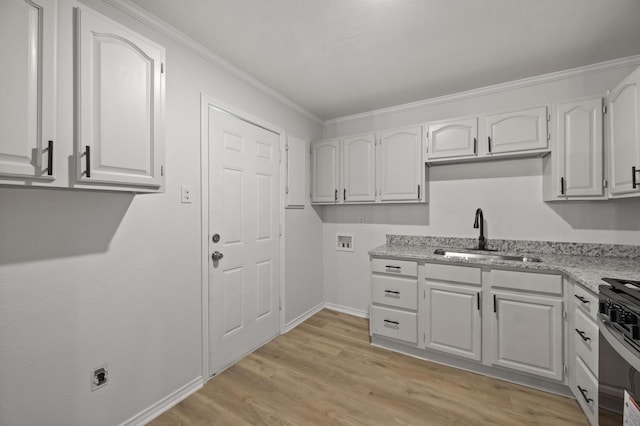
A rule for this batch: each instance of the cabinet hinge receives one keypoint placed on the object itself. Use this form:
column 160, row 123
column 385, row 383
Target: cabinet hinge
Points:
column 564, row 368
column 162, row 170
column 564, row 314
column 280, row 156
column 286, row 190
column 286, row 147
column 548, row 136
column 548, row 117
column 162, row 68
column 424, row 294
column 604, row 109
column 280, row 229
column 605, row 183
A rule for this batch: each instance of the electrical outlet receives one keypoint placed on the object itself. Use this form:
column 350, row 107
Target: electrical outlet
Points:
column 363, row 220
column 187, row 194
column 99, row 377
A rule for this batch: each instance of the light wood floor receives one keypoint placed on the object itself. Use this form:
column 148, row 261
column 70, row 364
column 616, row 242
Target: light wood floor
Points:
column 325, row 372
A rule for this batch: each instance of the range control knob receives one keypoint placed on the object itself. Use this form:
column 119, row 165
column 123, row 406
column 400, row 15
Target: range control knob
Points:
column 614, row 315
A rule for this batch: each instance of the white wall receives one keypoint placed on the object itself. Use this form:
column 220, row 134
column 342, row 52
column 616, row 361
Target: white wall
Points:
column 88, row 278
column 509, row 192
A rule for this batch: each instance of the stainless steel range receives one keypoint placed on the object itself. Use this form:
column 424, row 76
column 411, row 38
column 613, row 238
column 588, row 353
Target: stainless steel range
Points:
column 619, row 352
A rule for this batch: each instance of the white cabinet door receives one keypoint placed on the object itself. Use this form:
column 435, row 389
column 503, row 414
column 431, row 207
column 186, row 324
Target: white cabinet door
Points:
column 517, row 131
column 526, row 334
column 579, row 149
column 325, row 177
column 296, row 172
column 452, row 138
column 120, row 104
column 452, row 320
column 27, row 102
column 400, row 165
column 358, row 168
column 624, row 137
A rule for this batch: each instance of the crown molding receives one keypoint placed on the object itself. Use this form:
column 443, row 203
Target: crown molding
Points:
column 497, row 88
column 178, row 36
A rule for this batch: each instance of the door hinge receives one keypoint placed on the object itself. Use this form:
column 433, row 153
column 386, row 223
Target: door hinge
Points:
column 280, row 156
column 424, row 294
column 280, row 229
column 162, row 68
column 605, row 183
column 162, row 170
column 286, row 147
column 604, row 109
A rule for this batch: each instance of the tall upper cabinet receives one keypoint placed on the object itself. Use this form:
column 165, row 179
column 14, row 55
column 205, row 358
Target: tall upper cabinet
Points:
column 325, row 171
column 624, row 137
column 359, row 168
column 27, row 103
column 120, row 111
column 76, row 75
column 401, row 168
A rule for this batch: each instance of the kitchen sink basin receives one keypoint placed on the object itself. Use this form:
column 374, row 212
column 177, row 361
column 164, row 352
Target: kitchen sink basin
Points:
column 485, row 256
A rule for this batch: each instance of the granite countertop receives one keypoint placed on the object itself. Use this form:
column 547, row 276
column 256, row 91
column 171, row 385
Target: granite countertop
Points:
column 587, row 270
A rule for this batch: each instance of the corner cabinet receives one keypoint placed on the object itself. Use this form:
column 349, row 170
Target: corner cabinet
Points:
column 624, row 137
column 28, row 103
column 383, row 167
column 120, row 110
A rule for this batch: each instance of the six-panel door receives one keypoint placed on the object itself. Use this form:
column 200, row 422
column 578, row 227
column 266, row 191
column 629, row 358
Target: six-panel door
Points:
column 400, row 165
column 27, row 101
column 119, row 112
column 624, row 137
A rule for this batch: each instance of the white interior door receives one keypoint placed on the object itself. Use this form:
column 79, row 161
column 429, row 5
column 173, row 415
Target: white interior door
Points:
column 244, row 298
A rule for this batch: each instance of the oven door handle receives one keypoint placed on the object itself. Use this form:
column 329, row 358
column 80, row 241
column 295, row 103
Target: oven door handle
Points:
column 633, row 359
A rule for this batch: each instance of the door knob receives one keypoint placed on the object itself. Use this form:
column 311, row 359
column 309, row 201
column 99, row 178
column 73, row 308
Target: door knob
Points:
column 216, row 256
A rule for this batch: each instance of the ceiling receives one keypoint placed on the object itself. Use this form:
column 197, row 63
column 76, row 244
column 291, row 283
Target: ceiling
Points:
column 340, row 57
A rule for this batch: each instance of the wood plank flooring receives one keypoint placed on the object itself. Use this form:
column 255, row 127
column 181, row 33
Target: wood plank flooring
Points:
column 324, row 372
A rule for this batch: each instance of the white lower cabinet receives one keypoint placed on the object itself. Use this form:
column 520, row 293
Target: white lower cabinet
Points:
column 394, row 323
column 526, row 333
column 452, row 319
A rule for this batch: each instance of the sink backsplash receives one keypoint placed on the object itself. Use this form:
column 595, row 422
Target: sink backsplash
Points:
column 520, row 246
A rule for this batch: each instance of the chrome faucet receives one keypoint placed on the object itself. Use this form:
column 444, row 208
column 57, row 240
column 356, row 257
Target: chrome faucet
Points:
column 479, row 223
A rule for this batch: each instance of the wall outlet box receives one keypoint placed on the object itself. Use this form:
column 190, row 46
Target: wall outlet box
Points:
column 344, row 242
column 186, row 195
column 99, row 377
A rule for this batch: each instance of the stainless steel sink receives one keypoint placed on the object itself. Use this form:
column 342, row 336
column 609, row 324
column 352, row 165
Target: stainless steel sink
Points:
column 485, row 256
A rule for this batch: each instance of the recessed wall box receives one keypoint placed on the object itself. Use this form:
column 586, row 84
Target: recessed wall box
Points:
column 344, row 242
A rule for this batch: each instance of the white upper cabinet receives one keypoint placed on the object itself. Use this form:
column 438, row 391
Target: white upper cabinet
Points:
column 325, row 171
column 624, row 137
column 578, row 150
column 452, row 139
column 358, row 168
column 517, row 131
column 27, row 101
column 120, row 111
column 401, row 167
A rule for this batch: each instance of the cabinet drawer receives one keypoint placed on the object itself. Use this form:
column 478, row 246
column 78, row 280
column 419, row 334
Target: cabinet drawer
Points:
column 542, row 283
column 462, row 274
column 586, row 301
column 586, row 391
column 395, row 324
column 395, row 267
column 586, row 340
column 395, row 291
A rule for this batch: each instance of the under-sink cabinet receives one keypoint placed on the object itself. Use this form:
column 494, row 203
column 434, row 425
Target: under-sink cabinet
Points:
column 504, row 323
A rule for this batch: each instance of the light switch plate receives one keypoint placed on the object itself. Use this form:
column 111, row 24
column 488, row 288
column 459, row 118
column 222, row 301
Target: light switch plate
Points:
column 186, row 194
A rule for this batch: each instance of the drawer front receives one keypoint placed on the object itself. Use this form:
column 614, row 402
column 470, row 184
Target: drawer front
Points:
column 395, row 291
column 395, row 267
column 462, row 274
column 395, row 324
column 586, row 340
column 586, row 391
column 542, row 283
column 586, row 301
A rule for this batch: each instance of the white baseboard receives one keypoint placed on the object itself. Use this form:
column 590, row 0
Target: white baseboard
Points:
column 164, row 404
column 347, row 310
column 302, row 318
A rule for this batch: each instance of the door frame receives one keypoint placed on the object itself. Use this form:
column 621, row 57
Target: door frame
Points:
column 206, row 102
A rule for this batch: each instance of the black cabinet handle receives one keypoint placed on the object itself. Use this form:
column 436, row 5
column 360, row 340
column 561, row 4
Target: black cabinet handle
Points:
column 418, row 192
column 478, row 300
column 583, row 335
column 392, row 292
column 489, row 140
column 582, row 299
column 584, row 395
column 344, row 194
column 87, row 159
column 495, row 307
column 335, row 196
column 475, row 145
column 561, row 186
column 392, row 267
column 50, row 159
column 634, row 172
column 391, row 322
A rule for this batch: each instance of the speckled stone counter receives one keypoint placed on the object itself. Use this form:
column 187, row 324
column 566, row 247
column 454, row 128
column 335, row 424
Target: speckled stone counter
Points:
column 586, row 264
